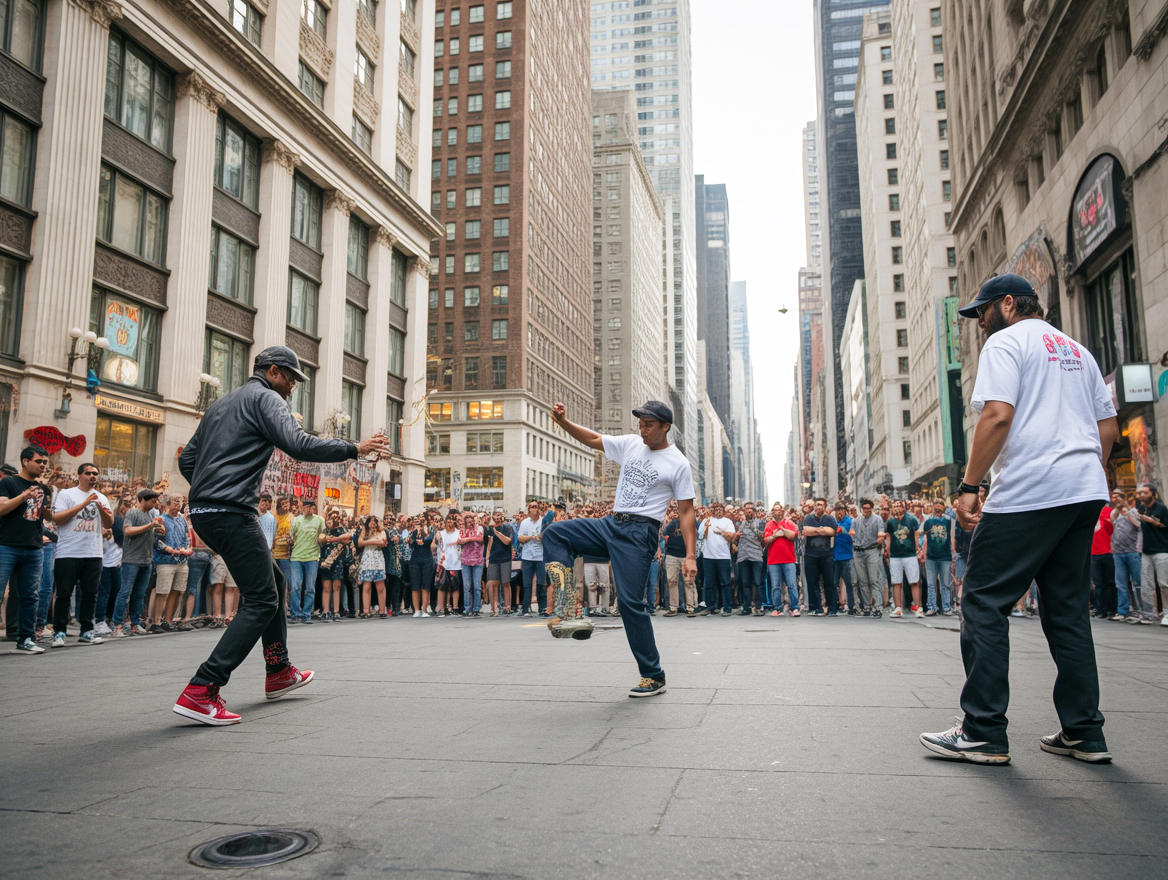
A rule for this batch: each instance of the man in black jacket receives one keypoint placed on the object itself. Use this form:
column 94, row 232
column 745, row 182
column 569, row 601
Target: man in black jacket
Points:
column 224, row 462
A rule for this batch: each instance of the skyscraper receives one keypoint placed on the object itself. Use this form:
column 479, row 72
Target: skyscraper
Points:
column 750, row 481
column 711, row 213
column 510, row 329
column 837, row 51
column 648, row 51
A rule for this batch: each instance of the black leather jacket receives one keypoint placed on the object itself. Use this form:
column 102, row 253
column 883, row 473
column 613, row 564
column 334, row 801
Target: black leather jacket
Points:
column 225, row 460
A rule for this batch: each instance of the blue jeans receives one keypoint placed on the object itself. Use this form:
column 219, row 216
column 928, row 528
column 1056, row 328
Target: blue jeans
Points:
column 717, row 586
column 22, row 567
column 533, row 572
column 843, row 570
column 110, row 583
column 1127, row 568
column 198, row 574
column 750, row 589
column 472, row 587
column 651, row 583
column 630, row 547
column 135, row 581
column 303, row 580
column 783, row 573
column 46, row 594
column 939, row 569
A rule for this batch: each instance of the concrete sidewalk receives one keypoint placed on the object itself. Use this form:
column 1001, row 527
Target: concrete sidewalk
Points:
column 487, row 749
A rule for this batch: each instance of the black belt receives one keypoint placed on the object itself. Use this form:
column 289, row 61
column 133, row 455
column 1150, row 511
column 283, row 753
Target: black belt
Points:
column 636, row 518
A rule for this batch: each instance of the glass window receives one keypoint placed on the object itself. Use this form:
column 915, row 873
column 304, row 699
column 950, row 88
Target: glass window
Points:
column 473, row 229
column 364, row 70
column 122, row 449
column 131, row 217
column 893, row 177
column 474, row 134
column 470, row 373
column 939, row 71
column 885, row 53
column 237, row 161
column 232, row 266
column 409, row 8
column 20, row 30
column 886, row 77
column 368, row 10
column 502, row 227
column 897, row 255
column 890, row 125
column 311, row 85
column 470, row 296
column 499, row 295
column 941, row 99
column 502, row 131
column 455, row 17
column 502, row 70
column 474, row 73
column 397, row 351
column 351, row 406
column 397, row 278
column 499, row 328
column 503, row 10
column 362, row 135
column 502, row 194
column 475, row 14
column 474, row 104
column 133, row 331
column 225, row 359
column 475, row 43
column 139, row 92
column 451, row 137
column 394, row 411
column 1101, row 323
column 937, row 49
column 943, row 129
column 471, row 263
column 499, row 373
column 450, row 230
column 893, row 202
column 402, row 174
column 302, row 303
column 438, row 72
column 448, row 297
column 889, row 102
column 470, row 331
column 455, row 45
column 439, row 46
column 315, row 15
column 902, row 338
column 474, row 164
column 453, row 78
column 474, row 196
column 406, row 59
column 503, row 40
column 484, row 409
column 11, row 304
column 890, row 151
column 500, row 261
column 18, row 152
column 502, row 100
column 405, row 116
column 946, row 190
column 894, row 228
column 354, row 330
column 902, row 365
column 502, row 162
column 357, row 256
column 301, row 399
column 899, row 310
column 307, row 205
column 246, row 19
column 944, row 160
column 935, row 17
column 438, row 444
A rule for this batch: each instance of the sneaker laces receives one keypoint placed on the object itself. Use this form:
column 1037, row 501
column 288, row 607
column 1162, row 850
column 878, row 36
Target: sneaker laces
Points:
column 647, row 682
column 211, row 696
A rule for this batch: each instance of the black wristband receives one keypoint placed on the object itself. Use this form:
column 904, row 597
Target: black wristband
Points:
column 966, row 489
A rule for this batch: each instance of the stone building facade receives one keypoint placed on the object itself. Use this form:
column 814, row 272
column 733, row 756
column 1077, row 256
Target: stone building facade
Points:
column 1059, row 115
column 193, row 183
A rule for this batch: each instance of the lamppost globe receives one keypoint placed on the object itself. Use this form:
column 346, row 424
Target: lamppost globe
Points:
column 89, row 336
column 101, row 342
column 75, row 333
column 205, row 378
column 215, row 383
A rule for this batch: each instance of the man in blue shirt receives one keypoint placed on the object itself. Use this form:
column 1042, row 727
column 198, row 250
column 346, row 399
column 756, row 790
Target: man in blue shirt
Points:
column 938, row 532
column 842, row 555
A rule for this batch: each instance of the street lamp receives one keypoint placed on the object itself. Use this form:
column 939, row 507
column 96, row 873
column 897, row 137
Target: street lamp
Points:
column 95, row 348
column 208, row 392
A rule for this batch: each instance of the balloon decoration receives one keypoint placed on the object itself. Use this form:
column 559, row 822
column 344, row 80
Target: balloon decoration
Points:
column 51, row 440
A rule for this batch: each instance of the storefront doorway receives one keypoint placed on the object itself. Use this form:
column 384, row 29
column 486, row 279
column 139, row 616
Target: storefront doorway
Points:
column 124, row 451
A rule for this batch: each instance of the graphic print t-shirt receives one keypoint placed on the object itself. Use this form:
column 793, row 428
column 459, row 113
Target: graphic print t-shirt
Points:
column 648, row 479
column 22, row 526
column 1052, row 452
column 81, row 536
column 937, row 530
column 901, row 544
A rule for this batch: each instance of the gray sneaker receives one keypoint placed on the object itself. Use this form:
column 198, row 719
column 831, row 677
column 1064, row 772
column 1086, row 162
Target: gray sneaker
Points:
column 28, row 646
column 89, row 637
column 578, row 628
column 1090, row 751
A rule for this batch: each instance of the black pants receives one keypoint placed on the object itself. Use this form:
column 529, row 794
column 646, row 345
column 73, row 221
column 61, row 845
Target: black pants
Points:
column 238, row 538
column 66, row 574
column 1007, row 552
column 1106, row 598
column 421, row 573
column 819, row 570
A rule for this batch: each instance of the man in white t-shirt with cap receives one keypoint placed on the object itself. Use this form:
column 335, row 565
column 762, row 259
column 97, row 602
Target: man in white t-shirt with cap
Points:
column 653, row 471
column 1046, row 427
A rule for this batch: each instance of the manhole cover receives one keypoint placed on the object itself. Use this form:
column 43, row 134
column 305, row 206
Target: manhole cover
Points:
column 254, row 849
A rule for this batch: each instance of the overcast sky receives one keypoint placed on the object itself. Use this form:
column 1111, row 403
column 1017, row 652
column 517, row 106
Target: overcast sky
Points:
column 754, row 91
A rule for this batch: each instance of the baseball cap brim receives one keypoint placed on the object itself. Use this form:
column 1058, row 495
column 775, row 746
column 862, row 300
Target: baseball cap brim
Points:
column 299, row 374
column 647, row 414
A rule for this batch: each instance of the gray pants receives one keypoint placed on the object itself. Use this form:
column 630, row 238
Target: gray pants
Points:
column 870, row 577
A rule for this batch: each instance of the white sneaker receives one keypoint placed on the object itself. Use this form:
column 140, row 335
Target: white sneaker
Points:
column 89, row 638
column 424, row 614
column 119, row 632
column 919, row 613
column 139, row 630
column 1164, row 620
column 103, row 629
column 896, row 612
column 417, row 614
column 58, row 641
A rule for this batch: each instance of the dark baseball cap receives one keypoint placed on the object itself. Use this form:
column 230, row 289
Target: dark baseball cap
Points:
column 146, row 494
column 997, row 287
column 655, row 409
column 280, row 356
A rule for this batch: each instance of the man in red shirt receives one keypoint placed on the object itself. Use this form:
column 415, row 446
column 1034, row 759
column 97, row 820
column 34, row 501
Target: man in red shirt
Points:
column 779, row 541
column 1104, row 596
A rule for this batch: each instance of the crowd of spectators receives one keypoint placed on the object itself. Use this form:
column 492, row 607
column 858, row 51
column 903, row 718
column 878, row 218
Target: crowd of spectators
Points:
column 879, row 557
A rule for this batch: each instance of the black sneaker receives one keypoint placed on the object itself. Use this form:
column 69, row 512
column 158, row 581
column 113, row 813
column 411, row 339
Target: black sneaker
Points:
column 647, row 688
column 156, row 628
column 1093, row 751
column 833, row 614
column 725, row 613
column 705, row 612
column 952, row 744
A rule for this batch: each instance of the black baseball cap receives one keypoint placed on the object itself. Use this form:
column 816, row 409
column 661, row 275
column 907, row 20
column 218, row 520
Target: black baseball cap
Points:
column 146, row 494
column 655, row 409
column 997, row 287
column 280, row 356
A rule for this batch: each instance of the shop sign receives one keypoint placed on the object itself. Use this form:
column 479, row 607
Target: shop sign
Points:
column 1032, row 260
column 123, row 322
column 130, row 410
column 50, row 439
column 1133, row 384
column 950, row 332
column 1098, row 208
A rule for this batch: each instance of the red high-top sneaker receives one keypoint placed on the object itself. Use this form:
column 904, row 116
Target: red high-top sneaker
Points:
column 280, row 683
column 202, row 703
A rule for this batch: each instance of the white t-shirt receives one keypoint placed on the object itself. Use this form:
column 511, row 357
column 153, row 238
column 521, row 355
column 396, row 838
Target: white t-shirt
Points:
column 451, row 551
column 532, row 551
column 1052, row 453
column 716, row 546
column 80, row 538
column 648, row 479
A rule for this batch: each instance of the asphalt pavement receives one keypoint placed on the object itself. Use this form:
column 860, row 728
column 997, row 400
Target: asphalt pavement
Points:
column 487, row 749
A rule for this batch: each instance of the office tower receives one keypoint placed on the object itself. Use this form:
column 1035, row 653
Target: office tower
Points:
column 711, row 212
column 749, row 479
column 811, row 368
column 812, row 203
column 628, row 229
column 837, row 45
column 510, row 331
column 647, row 50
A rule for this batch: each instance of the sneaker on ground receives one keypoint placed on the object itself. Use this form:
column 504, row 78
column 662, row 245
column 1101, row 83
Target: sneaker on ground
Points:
column 672, row 612
column 425, row 614
column 202, row 703
column 102, row 628
column 1090, row 751
column 691, row 613
column 139, row 630
column 1017, row 612
column 119, row 632
column 1164, row 620
column 776, row 613
column 28, row 646
column 952, row 744
column 156, row 628
column 417, row 614
column 578, row 628
column 918, row 612
column 896, row 612
column 647, row 688
column 279, row 683
column 725, row 612
column 794, row 612
column 89, row 637
column 705, row 612
column 58, row 640
column 932, row 612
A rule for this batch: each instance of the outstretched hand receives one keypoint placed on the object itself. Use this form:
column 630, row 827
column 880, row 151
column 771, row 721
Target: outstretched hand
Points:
column 376, row 446
column 559, row 414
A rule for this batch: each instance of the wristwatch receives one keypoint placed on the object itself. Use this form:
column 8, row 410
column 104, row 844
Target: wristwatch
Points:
column 966, row 489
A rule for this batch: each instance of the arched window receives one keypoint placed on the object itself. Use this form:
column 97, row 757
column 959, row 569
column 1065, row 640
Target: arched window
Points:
column 999, row 233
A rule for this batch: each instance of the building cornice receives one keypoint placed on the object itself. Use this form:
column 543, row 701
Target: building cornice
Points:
column 207, row 22
column 101, row 11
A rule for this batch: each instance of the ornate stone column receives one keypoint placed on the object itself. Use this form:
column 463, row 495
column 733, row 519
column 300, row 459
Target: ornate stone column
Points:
column 59, row 283
column 414, row 436
column 271, row 278
column 331, row 311
column 381, row 242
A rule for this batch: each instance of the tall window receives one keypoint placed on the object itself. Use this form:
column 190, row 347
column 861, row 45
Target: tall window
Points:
column 354, row 330
column 133, row 332
column 303, row 296
column 405, row 116
column 232, row 266
column 499, row 295
column 502, row 70
column 402, row 174
column 397, row 352
column 225, row 359
column 307, row 205
column 362, row 135
column 1101, row 316
column 393, row 414
column 406, row 59
column 237, row 161
column 470, row 376
column 311, row 85
column 367, row 9
column 499, row 371
column 397, row 279
column 130, row 216
column 20, row 30
column 502, row 162
column 139, row 92
column 245, row 18
column 502, row 100
column 18, row 149
column 358, row 249
column 301, row 399
column 502, row 194
column 364, row 70
column 474, row 73
column 499, row 329
column 11, row 303
column 315, row 15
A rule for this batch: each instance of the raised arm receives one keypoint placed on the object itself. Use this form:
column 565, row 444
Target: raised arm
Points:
column 577, row 432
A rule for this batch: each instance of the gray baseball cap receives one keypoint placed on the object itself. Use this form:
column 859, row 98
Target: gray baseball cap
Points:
column 280, row 356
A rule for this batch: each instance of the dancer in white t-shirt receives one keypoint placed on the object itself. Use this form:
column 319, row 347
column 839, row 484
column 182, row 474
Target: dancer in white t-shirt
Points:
column 652, row 472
